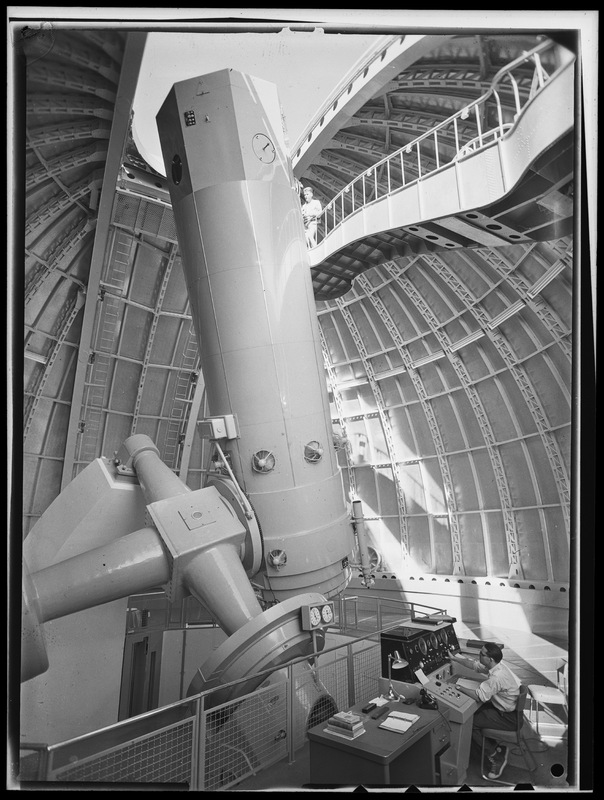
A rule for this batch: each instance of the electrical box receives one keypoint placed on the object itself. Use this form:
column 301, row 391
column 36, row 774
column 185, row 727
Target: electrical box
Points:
column 218, row 427
column 318, row 615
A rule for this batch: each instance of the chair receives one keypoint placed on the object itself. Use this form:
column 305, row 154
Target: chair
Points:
column 511, row 737
column 549, row 695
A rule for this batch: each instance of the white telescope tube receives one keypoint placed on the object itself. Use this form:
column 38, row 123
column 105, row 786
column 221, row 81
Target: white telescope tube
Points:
column 244, row 254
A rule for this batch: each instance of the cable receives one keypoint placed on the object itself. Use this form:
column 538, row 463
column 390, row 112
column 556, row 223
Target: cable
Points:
column 445, row 719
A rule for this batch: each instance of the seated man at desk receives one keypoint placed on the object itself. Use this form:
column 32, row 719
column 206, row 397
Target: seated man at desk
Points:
column 499, row 695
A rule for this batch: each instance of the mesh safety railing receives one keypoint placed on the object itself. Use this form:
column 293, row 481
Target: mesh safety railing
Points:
column 213, row 747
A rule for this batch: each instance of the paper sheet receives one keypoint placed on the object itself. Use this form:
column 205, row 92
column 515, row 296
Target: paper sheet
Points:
column 467, row 683
column 379, row 701
column 421, row 676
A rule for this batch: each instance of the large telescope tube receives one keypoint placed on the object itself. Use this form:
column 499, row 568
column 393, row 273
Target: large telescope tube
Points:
column 243, row 249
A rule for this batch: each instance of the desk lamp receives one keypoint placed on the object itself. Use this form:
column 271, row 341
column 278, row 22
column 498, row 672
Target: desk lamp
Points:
column 395, row 661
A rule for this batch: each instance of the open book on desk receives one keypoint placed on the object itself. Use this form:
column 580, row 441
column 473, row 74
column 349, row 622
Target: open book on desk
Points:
column 398, row 721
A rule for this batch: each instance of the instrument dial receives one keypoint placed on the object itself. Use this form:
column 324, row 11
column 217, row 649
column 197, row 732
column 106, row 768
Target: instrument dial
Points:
column 423, row 646
column 327, row 614
column 315, row 616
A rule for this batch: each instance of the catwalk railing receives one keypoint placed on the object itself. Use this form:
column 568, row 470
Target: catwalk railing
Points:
column 210, row 747
column 478, row 125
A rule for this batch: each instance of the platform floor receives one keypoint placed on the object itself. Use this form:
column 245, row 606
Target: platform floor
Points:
column 535, row 660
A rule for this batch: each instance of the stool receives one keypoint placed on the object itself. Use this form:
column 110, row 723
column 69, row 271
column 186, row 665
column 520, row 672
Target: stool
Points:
column 544, row 696
column 549, row 695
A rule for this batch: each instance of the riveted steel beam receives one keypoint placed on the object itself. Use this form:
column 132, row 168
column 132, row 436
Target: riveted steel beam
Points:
column 119, row 131
column 386, row 426
column 414, row 374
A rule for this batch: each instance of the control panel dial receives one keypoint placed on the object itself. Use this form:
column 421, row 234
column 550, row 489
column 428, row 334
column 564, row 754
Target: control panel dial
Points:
column 427, row 650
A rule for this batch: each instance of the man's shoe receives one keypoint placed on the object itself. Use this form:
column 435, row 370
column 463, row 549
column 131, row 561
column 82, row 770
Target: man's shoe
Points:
column 498, row 761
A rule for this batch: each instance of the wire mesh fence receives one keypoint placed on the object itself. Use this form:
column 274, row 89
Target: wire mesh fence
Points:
column 163, row 756
column 213, row 747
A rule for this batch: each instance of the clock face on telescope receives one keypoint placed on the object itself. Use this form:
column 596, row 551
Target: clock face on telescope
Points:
column 263, row 148
column 318, row 615
column 327, row 614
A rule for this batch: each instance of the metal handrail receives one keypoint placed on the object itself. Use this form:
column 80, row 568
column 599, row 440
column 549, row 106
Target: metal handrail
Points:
column 409, row 164
column 376, row 52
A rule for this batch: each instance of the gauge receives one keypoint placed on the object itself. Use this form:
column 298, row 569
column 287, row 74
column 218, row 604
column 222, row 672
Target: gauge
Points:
column 311, row 617
column 422, row 646
column 317, row 615
column 263, row 148
column 327, row 613
column 433, row 640
column 442, row 635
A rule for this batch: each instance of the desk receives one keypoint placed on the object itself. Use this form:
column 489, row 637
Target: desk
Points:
column 421, row 756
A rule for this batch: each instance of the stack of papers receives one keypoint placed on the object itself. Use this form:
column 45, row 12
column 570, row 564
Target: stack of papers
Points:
column 398, row 721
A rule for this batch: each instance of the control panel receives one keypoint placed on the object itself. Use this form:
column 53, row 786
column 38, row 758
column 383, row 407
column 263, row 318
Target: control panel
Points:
column 423, row 649
column 461, row 707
